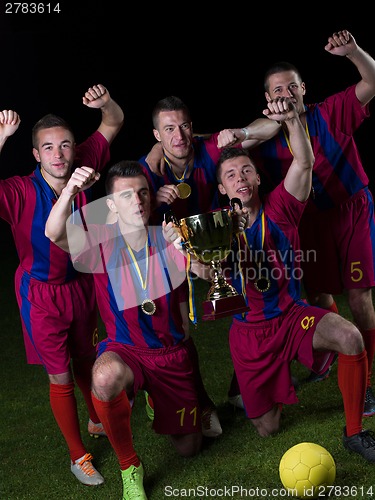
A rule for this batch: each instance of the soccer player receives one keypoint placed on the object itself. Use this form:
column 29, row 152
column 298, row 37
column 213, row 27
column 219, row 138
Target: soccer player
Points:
column 188, row 187
column 339, row 219
column 181, row 168
column 58, row 334
column 280, row 327
column 188, row 184
column 136, row 273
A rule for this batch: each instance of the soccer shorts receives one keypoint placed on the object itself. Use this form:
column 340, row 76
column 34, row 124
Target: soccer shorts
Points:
column 167, row 374
column 59, row 322
column 262, row 354
column 339, row 246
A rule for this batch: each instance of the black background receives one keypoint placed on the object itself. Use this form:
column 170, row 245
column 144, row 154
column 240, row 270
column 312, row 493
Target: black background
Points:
column 212, row 57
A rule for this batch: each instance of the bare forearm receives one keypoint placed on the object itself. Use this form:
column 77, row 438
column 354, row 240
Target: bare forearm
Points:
column 2, row 142
column 299, row 143
column 252, row 135
column 262, row 129
column 112, row 114
column 365, row 65
column 55, row 228
column 112, row 120
column 298, row 180
column 9, row 123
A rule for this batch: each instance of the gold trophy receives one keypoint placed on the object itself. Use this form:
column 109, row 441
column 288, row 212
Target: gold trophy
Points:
column 208, row 237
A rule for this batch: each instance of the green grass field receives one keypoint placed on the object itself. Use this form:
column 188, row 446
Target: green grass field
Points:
column 34, row 463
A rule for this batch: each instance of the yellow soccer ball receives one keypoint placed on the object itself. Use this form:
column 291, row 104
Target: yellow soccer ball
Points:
column 306, row 469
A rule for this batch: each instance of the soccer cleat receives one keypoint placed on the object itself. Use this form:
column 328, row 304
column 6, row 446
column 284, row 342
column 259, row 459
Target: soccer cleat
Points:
column 362, row 443
column 369, row 409
column 149, row 408
column 236, row 401
column 85, row 472
column 295, row 382
column 210, row 423
column 95, row 430
column 132, row 480
column 314, row 377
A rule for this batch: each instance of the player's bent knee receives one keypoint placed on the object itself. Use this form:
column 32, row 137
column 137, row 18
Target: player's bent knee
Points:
column 351, row 341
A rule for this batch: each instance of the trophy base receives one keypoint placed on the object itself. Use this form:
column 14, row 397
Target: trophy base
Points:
column 221, row 308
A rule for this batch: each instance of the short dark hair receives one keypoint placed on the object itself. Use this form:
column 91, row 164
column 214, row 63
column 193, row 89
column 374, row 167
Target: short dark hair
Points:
column 170, row 103
column 121, row 169
column 49, row 121
column 228, row 154
column 279, row 67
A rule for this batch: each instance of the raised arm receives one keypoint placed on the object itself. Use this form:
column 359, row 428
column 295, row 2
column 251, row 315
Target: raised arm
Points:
column 255, row 133
column 342, row 43
column 81, row 179
column 98, row 97
column 298, row 179
column 9, row 123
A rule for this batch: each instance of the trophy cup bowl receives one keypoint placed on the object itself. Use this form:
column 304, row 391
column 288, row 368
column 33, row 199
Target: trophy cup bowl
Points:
column 208, row 237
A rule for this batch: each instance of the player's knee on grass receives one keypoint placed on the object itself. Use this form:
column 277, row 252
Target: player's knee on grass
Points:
column 187, row 445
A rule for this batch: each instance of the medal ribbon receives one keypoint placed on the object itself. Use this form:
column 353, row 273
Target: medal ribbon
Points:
column 178, row 179
column 240, row 268
column 261, row 235
column 192, row 309
column 55, row 194
column 142, row 281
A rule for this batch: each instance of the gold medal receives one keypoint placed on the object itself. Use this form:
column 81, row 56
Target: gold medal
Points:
column 184, row 190
column 262, row 284
column 148, row 307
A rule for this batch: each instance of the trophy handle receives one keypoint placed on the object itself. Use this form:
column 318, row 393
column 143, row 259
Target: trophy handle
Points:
column 234, row 201
column 170, row 217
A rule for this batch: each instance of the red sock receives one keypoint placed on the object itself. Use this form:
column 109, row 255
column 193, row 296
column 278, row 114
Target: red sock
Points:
column 82, row 369
column 369, row 340
column 64, row 408
column 352, row 376
column 115, row 417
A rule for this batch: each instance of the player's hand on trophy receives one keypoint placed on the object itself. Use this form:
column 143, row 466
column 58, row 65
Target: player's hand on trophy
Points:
column 172, row 234
column 240, row 219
